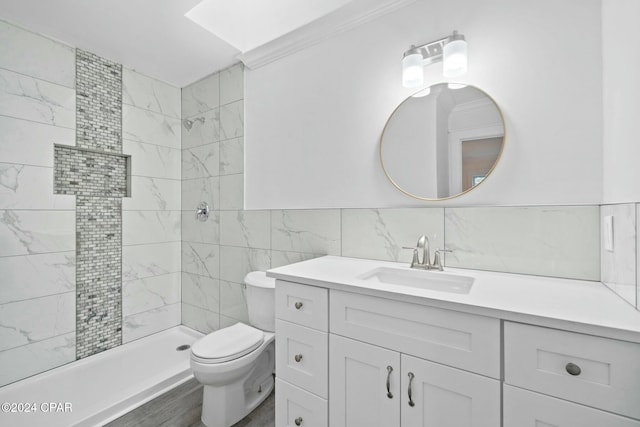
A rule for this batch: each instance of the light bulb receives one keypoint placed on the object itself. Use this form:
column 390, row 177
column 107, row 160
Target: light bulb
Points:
column 454, row 56
column 412, row 70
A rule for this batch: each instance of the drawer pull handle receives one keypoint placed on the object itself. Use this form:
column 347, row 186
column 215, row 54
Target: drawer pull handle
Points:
column 411, row 402
column 298, row 357
column 298, row 421
column 298, row 307
column 389, row 370
column 573, row 369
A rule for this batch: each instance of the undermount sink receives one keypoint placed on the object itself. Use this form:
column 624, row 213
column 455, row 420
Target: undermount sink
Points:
column 432, row 280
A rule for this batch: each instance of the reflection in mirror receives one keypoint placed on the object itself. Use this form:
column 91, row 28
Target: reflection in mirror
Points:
column 442, row 141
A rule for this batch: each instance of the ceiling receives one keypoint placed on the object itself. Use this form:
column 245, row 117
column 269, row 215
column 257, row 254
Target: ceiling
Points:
column 155, row 38
column 247, row 24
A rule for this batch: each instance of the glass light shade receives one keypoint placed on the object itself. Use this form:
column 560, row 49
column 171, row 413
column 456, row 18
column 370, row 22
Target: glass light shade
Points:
column 412, row 70
column 454, row 58
column 422, row 93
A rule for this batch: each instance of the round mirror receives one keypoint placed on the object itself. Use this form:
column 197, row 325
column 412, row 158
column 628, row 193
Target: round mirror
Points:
column 442, row 141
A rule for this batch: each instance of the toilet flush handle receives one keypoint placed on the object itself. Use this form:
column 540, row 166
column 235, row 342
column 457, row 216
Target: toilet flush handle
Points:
column 202, row 212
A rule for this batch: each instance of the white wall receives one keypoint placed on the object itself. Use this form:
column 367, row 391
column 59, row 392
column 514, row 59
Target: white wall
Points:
column 313, row 119
column 621, row 62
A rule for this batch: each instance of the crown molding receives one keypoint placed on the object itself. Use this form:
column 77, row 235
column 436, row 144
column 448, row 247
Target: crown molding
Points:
column 352, row 15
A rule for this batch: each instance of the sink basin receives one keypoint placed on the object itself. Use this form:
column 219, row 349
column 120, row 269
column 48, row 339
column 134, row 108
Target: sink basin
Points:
column 422, row 279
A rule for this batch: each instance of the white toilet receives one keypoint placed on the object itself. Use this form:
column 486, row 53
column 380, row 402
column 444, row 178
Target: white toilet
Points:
column 236, row 364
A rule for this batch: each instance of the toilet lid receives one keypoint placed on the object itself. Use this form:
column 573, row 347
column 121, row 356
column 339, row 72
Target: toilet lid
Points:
column 260, row 280
column 228, row 343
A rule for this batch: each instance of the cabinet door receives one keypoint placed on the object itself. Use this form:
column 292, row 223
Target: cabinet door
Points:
column 447, row 397
column 524, row 408
column 359, row 374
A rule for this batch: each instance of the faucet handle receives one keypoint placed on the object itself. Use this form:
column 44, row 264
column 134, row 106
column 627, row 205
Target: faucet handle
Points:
column 437, row 262
column 415, row 260
column 444, row 250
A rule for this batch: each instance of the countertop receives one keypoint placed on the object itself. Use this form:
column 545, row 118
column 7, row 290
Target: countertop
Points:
column 575, row 305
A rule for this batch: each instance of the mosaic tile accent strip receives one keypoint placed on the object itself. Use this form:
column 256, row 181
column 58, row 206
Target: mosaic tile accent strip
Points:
column 97, row 174
column 90, row 173
column 98, row 103
column 98, row 274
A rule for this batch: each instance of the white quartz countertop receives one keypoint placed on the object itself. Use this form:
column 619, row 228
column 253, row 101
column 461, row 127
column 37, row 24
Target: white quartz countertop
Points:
column 581, row 306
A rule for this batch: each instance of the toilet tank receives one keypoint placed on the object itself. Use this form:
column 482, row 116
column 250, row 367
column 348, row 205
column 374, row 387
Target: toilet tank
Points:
column 261, row 294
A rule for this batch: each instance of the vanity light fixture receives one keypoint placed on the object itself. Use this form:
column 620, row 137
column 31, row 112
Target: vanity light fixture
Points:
column 422, row 93
column 451, row 50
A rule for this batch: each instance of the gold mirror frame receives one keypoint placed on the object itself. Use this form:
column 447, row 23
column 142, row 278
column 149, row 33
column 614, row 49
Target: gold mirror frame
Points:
column 428, row 199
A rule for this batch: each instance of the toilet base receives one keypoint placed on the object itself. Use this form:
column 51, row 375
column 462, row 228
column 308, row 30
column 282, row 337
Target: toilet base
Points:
column 225, row 405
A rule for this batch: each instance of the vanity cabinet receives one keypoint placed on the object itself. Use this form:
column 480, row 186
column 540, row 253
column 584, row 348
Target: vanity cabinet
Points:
column 516, row 351
column 374, row 362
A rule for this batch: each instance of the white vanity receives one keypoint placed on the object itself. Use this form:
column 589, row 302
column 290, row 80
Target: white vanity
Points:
column 354, row 349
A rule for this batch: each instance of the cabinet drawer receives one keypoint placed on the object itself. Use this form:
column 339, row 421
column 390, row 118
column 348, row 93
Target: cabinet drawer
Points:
column 295, row 406
column 595, row 371
column 526, row 408
column 452, row 338
column 302, row 357
column 302, row 304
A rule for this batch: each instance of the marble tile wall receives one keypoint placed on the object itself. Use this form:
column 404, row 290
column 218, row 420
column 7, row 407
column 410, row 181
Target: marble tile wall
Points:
column 200, row 255
column 151, row 216
column 558, row 241
column 37, row 228
column 38, row 259
column 215, row 252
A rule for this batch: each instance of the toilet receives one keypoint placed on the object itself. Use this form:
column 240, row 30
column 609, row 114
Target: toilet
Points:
column 236, row 364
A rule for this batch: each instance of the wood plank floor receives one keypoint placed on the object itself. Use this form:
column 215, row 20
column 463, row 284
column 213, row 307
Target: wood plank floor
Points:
column 182, row 406
column 262, row 416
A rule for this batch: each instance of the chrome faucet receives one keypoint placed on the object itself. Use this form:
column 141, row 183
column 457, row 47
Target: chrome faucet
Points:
column 423, row 243
column 425, row 263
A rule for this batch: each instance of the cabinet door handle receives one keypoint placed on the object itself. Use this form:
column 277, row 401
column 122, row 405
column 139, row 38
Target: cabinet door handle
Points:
column 573, row 369
column 298, row 305
column 389, row 370
column 298, row 357
column 411, row 376
column 298, row 421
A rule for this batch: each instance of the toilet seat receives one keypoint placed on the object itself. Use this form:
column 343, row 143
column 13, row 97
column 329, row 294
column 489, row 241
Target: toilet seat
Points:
column 228, row 344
